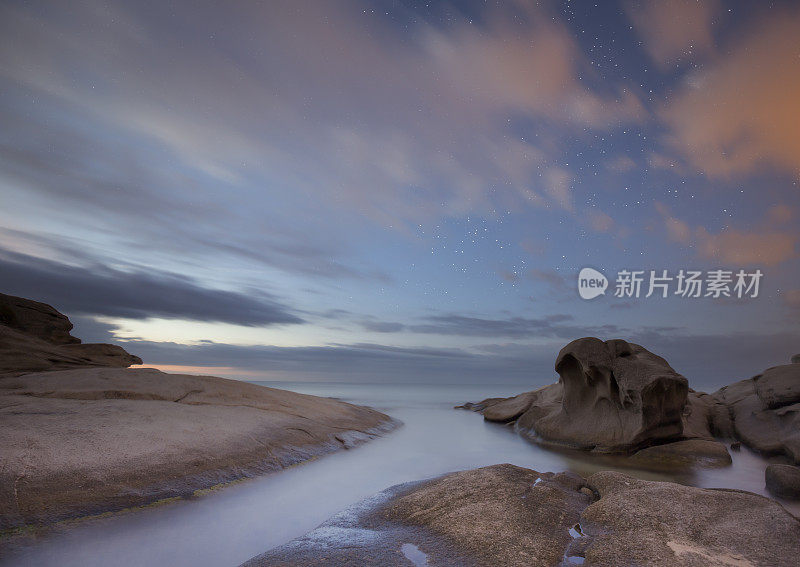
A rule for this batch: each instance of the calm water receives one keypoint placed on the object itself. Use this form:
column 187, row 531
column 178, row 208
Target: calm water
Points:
column 243, row 520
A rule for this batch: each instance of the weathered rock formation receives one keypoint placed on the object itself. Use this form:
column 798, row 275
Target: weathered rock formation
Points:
column 611, row 396
column 507, row 515
column 35, row 337
column 616, row 396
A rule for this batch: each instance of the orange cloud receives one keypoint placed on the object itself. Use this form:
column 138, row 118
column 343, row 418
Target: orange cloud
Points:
column 736, row 247
column 601, row 222
column 674, row 30
column 740, row 111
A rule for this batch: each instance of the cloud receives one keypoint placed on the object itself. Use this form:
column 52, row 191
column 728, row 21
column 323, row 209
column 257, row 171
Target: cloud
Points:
column 113, row 292
column 674, row 30
column 432, row 137
column 382, row 326
column 601, row 222
column 621, row 164
column 737, row 247
column 550, row 277
column 738, row 112
column 792, row 298
column 763, row 247
column 512, row 327
column 678, row 230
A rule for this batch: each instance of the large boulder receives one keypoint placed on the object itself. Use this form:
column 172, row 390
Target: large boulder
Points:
column 507, row 515
column 763, row 411
column 612, row 396
column 35, row 337
column 783, row 481
column 36, row 319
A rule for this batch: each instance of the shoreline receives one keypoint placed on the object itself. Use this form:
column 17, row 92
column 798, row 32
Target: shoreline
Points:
column 112, row 439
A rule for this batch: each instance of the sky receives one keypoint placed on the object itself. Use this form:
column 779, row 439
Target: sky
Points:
column 397, row 191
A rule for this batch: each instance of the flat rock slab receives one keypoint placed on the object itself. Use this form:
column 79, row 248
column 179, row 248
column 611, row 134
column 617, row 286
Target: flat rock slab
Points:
column 85, row 441
column 683, row 453
column 511, row 516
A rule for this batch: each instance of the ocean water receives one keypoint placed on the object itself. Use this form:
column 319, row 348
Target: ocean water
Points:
column 227, row 527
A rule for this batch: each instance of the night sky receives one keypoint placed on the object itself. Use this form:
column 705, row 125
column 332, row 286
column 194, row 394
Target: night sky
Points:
column 400, row 191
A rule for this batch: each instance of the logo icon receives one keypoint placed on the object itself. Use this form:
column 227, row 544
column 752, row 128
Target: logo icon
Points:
column 591, row 283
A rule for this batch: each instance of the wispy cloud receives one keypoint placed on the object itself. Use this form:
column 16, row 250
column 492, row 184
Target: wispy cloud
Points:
column 112, row 292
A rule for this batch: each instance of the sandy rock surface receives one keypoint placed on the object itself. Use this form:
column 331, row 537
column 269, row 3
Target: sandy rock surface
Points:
column 88, row 440
column 783, row 481
column 507, row 515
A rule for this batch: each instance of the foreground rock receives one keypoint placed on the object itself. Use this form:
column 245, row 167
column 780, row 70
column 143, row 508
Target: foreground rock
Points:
column 783, row 481
column 507, row 515
column 611, row 396
column 84, row 441
column 98, row 437
column 35, row 337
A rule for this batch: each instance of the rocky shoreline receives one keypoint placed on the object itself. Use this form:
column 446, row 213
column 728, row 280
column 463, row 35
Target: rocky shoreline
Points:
column 512, row 516
column 618, row 397
column 100, row 437
column 83, row 434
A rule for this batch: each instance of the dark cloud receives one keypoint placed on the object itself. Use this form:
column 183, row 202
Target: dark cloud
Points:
column 101, row 290
column 512, row 327
column 383, row 326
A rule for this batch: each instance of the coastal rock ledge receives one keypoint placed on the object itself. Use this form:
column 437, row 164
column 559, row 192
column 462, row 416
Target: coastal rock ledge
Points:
column 516, row 517
column 98, row 438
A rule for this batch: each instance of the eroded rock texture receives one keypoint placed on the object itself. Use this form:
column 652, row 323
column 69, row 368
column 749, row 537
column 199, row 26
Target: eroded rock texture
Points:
column 611, row 396
column 35, row 337
column 763, row 411
column 507, row 515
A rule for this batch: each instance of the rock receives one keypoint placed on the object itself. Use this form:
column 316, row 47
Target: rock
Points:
column 637, row 522
column 89, row 440
column 616, row 396
column 682, row 453
column 35, row 337
column 507, row 515
column 509, row 409
column 778, row 386
column 36, row 319
column 763, row 412
column 499, row 515
column 612, row 396
column 783, row 481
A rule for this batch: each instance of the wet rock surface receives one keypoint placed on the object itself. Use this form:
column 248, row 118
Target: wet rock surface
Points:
column 507, row 515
